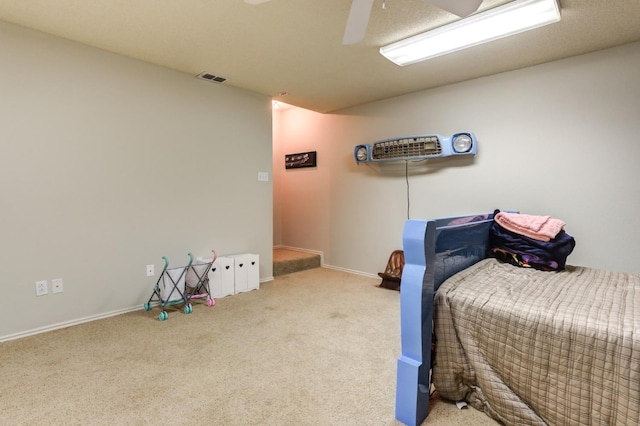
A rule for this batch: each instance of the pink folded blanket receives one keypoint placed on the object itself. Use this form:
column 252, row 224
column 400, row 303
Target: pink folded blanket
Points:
column 541, row 228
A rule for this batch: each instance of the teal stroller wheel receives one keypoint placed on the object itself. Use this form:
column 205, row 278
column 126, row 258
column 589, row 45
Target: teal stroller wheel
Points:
column 147, row 306
column 188, row 309
column 163, row 316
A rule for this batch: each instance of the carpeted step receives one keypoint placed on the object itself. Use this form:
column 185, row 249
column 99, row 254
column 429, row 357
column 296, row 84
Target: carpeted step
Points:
column 287, row 261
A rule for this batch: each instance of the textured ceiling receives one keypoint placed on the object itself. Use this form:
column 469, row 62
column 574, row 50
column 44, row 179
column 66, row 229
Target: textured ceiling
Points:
column 295, row 46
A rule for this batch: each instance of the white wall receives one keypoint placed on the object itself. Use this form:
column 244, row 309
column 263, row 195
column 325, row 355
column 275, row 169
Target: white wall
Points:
column 106, row 165
column 558, row 139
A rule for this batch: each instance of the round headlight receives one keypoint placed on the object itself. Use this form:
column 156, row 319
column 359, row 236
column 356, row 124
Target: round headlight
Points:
column 361, row 153
column 462, row 143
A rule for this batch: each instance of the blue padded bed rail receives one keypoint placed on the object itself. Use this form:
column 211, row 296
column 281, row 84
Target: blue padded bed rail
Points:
column 434, row 250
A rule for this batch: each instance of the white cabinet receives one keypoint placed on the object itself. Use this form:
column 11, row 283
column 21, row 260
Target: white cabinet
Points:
column 253, row 272
column 222, row 277
column 241, row 273
column 234, row 274
column 247, row 272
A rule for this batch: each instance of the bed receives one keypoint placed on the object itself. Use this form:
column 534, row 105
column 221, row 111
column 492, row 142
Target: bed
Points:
column 522, row 345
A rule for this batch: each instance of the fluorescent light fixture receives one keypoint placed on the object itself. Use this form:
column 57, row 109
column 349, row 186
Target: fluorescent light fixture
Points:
column 512, row 18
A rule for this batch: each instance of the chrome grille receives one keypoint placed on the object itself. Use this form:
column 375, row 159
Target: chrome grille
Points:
column 407, row 148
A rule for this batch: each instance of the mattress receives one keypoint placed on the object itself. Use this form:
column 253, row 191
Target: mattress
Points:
column 533, row 347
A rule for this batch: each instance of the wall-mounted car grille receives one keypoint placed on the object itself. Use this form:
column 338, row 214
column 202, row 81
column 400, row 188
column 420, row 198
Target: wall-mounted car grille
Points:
column 406, row 148
column 417, row 147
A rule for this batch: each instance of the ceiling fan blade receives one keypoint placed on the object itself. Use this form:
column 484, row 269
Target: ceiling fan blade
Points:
column 358, row 21
column 256, row 1
column 462, row 8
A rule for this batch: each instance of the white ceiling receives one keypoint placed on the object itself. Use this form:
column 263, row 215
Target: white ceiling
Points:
column 295, row 46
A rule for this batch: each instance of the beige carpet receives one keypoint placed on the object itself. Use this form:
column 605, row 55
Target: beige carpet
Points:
column 317, row 347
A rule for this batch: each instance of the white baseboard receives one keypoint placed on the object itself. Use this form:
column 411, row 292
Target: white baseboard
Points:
column 351, row 271
column 120, row 312
column 68, row 324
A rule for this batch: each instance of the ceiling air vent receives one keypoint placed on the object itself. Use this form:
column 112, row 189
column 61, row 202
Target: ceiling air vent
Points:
column 211, row 77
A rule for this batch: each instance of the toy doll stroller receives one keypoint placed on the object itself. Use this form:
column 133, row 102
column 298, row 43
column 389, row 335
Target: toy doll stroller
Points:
column 170, row 289
column 197, row 280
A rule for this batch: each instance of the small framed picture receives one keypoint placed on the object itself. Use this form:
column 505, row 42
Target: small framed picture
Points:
column 300, row 160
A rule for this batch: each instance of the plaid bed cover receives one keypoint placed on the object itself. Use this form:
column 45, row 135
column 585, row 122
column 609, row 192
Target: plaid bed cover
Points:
column 533, row 348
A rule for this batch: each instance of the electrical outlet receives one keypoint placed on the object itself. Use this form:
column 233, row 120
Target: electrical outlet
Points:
column 56, row 286
column 150, row 270
column 42, row 288
column 263, row 176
